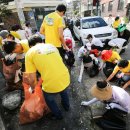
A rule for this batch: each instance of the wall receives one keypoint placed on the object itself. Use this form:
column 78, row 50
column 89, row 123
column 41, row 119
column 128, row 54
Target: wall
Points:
column 9, row 21
column 114, row 11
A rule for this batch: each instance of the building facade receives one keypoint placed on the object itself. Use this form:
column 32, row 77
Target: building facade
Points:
column 114, row 7
column 34, row 12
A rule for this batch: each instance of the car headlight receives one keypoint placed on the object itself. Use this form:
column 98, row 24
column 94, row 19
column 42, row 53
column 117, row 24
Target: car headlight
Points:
column 115, row 33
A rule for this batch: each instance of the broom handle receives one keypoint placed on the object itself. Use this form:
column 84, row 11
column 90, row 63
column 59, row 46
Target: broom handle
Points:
column 81, row 72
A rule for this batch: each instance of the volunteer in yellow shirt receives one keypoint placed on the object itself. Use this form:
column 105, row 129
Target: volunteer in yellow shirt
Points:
column 117, row 22
column 124, row 67
column 110, row 58
column 46, row 59
column 15, row 34
column 52, row 27
column 15, row 28
column 13, row 47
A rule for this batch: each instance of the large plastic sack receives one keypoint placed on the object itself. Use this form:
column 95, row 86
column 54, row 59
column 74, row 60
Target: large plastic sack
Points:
column 112, row 119
column 9, row 71
column 93, row 71
column 69, row 58
column 12, row 99
column 34, row 106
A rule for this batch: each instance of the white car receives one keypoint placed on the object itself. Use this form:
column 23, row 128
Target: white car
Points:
column 95, row 26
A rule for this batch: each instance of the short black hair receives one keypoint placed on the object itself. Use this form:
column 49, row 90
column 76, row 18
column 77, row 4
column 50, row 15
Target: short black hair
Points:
column 10, row 35
column 27, row 24
column 117, row 18
column 61, row 8
column 123, row 63
column 101, row 84
column 15, row 27
column 9, row 46
column 89, row 36
column 33, row 40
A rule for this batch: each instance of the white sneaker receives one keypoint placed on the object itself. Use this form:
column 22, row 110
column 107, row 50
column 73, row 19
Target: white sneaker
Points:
column 84, row 103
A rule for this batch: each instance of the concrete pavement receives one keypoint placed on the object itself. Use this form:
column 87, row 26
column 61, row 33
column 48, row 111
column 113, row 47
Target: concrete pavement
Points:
column 78, row 118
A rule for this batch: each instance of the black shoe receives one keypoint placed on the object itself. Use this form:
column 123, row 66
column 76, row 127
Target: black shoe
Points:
column 53, row 117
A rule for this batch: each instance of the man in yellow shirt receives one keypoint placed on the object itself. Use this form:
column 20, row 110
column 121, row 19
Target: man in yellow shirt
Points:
column 123, row 67
column 45, row 59
column 52, row 27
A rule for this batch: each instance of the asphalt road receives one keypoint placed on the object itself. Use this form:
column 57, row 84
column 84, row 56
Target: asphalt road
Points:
column 78, row 118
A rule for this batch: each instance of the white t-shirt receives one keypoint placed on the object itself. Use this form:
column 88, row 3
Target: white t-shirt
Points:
column 28, row 31
column 97, row 42
column 110, row 21
column 22, row 34
column 121, row 97
column 82, row 51
column 117, row 42
column 67, row 35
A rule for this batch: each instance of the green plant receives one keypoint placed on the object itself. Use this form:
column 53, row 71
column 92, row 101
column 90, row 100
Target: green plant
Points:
column 3, row 8
column 126, row 20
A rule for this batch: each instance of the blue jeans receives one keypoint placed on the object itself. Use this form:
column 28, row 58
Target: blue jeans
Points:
column 50, row 100
column 126, row 78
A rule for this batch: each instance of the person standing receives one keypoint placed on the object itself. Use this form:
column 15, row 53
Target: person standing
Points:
column 46, row 59
column 52, row 27
column 28, row 30
column 110, row 20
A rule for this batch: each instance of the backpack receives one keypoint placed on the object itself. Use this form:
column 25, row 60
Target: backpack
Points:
column 69, row 58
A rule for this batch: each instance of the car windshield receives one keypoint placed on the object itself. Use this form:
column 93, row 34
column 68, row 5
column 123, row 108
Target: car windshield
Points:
column 93, row 23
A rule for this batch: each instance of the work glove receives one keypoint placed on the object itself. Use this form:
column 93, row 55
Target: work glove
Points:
column 84, row 103
column 30, row 90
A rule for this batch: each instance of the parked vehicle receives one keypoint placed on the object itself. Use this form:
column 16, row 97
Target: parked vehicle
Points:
column 95, row 26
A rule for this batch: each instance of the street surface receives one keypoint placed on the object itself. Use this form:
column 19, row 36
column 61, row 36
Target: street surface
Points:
column 78, row 118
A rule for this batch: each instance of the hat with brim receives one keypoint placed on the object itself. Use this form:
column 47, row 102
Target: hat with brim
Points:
column 106, row 54
column 102, row 93
column 121, row 28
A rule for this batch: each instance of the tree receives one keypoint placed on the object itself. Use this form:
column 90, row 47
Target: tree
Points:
column 3, row 8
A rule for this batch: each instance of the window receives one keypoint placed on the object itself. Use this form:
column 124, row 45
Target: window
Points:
column 121, row 4
column 93, row 23
column 103, row 7
column 110, row 6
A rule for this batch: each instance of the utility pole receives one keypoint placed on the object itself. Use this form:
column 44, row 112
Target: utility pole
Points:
column 19, row 7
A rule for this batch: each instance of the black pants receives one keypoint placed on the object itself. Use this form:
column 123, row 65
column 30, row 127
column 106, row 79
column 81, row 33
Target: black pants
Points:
column 61, row 51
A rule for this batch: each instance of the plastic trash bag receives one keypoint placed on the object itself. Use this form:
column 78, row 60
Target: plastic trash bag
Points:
column 34, row 106
column 9, row 72
column 112, row 119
